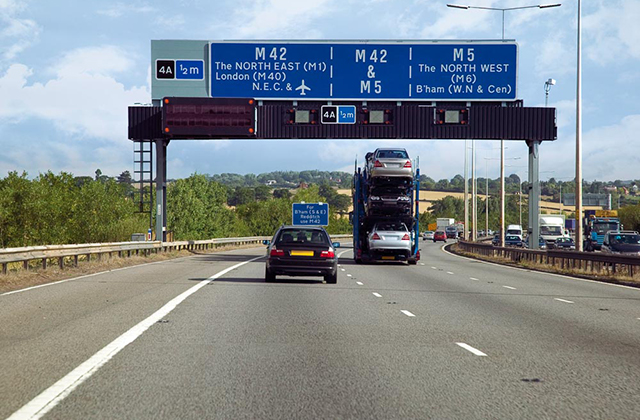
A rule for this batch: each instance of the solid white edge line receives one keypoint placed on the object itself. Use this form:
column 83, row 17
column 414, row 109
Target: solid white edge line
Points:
column 50, row 397
column 407, row 313
column 471, row 349
column 359, row 283
column 541, row 272
column 378, row 295
column 509, row 287
column 563, row 300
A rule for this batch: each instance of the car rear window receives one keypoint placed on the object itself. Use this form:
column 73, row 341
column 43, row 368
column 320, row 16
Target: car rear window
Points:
column 302, row 236
column 392, row 154
column 392, row 227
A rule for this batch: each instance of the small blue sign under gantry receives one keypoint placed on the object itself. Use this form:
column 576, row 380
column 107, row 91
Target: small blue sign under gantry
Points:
column 310, row 214
column 297, row 70
column 338, row 114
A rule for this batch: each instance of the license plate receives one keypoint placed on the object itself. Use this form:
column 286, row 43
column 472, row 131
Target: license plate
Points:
column 387, row 257
column 302, row 253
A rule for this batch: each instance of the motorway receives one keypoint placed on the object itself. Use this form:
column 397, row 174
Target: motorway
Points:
column 449, row 338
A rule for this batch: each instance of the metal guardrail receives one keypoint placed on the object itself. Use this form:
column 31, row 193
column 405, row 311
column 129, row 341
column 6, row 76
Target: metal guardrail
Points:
column 60, row 252
column 587, row 261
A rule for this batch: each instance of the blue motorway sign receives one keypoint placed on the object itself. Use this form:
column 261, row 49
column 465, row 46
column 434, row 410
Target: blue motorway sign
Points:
column 190, row 69
column 459, row 71
column 310, row 214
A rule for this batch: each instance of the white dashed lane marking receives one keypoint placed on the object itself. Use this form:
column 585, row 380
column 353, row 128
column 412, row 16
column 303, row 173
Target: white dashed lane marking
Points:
column 407, row 313
column 562, row 300
column 449, row 272
column 509, row 287
column 359, row 283
column 434, row 268
column 471, row 349
column 348, row 275
column 379, row 295
column 473, row 278
column 342, row 269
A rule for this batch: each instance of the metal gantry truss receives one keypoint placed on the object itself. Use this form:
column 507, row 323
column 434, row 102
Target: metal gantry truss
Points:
column 143, row 176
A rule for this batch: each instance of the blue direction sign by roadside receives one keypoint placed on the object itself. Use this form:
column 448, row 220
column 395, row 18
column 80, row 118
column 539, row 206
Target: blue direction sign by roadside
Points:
column 310, row 214
column 459, row 71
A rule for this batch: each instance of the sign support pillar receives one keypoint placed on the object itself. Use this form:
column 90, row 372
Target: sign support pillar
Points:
column 534, row 194
column 161, row 189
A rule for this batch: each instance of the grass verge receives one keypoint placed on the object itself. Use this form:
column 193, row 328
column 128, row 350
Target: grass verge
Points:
column 605, row 277
column 17, row 278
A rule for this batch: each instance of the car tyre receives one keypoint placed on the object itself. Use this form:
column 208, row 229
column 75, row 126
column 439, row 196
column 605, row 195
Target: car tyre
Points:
column 412, row 261
column 331, row 278
column 269, row 277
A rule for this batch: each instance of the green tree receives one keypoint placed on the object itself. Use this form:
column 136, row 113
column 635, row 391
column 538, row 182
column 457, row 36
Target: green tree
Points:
column 630, row 217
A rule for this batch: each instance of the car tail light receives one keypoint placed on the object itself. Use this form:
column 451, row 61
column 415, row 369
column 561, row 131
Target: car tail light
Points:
column 378, row 164
column 408, row 164
column 328, row 254
column 375, row 237
column 276, row 252
column 406, row 237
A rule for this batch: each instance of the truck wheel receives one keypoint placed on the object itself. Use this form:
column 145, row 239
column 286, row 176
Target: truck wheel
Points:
column 358, row 260
column 412, row 261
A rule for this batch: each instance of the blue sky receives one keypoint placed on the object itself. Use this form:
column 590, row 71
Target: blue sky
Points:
column 69, row 69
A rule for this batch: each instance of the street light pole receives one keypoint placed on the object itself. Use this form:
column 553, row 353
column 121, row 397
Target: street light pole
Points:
column 474, row 197
column 466, row 192
column 547, row 88
column 579, row 137
column 486, row 198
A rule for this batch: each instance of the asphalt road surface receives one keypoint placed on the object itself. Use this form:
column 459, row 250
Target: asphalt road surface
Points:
column 449, row 338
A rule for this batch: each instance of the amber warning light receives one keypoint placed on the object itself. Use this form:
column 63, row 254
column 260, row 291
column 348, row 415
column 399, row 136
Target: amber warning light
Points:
column 208, row 118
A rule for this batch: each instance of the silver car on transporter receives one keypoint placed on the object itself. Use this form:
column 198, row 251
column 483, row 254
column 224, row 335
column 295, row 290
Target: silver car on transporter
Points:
column 390, row 241
column 389, row 166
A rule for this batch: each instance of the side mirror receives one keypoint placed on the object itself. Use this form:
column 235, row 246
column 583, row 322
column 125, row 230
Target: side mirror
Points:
column 266, row 242
column 336, row 244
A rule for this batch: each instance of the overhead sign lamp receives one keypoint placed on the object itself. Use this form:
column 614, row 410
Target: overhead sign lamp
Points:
column 193, row 118
column 452, row 116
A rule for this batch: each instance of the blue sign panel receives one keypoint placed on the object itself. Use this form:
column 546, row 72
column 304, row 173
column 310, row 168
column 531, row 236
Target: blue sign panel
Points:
column 338, row 114
column 190, row 69
column 312, row 214
column 471, row 71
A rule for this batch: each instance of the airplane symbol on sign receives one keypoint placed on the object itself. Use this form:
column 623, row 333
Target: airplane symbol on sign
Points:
column 302, row 88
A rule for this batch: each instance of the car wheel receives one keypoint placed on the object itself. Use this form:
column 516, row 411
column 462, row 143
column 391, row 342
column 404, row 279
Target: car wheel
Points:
column 269, row 276
column 331, row 278
column 412, row 261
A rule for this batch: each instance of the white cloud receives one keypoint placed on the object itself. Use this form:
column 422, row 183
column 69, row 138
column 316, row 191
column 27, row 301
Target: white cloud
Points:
column 83, row 99
column 120, row 9
column 612, row 33
column 276, row 18
column 17, row 34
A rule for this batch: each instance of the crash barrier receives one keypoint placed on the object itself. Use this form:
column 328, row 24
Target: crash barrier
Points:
column 60, row 253
column 567, row 260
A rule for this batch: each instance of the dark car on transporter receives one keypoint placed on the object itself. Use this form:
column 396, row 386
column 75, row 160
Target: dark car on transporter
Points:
column 301, row 251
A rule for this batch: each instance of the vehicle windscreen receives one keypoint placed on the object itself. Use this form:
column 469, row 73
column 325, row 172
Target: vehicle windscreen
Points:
column 392, row 227
column 451, row 229
column 625, row 239
column 563, row 240
column 306, row 237
column 550, row 230
column 513, row 232
column 512, row 238
column 392, row 154
column 602, row 228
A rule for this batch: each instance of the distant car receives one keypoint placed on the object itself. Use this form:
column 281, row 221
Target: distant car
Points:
column 624, row 242
column 541, row 243
column 391, row 165
column 496, row 240
column 388, row 200
column 565, row 243
column 439, row 236
column 451, row 231
column 481, row 233
column 427, row 235
column 490, row 232
column 301, row 251
column 513, row 240
column 390, row 240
